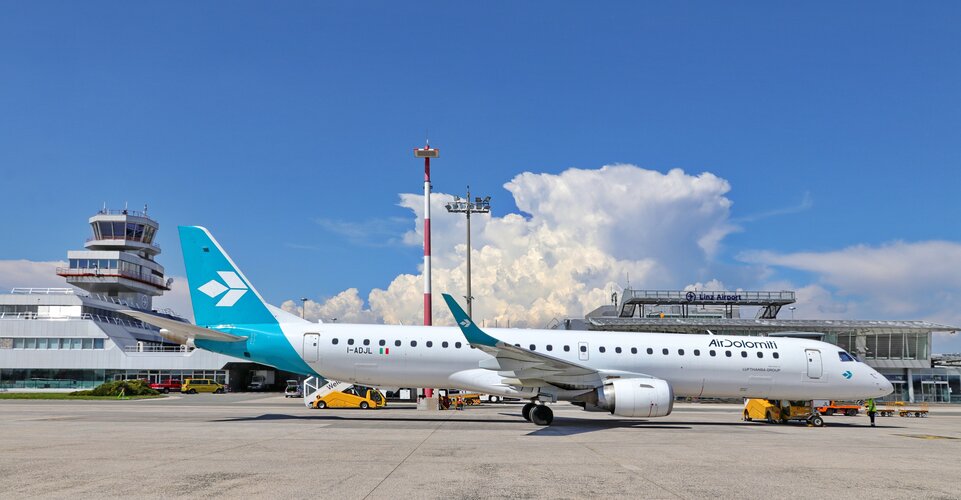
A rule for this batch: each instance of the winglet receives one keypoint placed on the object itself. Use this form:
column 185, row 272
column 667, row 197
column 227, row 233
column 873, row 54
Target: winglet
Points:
column 473, row 334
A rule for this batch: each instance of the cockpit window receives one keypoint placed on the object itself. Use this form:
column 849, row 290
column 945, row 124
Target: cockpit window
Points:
column 845, row 356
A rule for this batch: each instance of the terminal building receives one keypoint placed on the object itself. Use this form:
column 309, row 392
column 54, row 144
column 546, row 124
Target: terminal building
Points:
column 75, row 338
column 900, row 350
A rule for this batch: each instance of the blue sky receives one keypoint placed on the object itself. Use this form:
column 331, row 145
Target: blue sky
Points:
column 287, row 129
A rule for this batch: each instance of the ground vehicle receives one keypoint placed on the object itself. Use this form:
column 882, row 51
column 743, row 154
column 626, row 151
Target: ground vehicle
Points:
column 849, row 409
column 261, row 380
column 354, row 397
column 902, row 410
column 776, row 411
column 294, row 389
column 166, row 385
column 195, row 385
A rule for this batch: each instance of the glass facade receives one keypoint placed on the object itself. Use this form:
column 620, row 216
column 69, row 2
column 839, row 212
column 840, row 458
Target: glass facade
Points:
column 117, row 230
column 43, row 343
column 886, row 346
column 14, row 378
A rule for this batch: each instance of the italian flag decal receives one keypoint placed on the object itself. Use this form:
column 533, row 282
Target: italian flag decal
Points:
column 385, row 350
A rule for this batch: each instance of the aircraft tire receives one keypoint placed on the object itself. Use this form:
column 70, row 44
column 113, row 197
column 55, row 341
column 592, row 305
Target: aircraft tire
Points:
column 526, row 411
column 542, row 415
column 494, row 399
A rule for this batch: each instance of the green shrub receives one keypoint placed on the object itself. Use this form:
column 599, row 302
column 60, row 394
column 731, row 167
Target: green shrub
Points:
column 115, row 388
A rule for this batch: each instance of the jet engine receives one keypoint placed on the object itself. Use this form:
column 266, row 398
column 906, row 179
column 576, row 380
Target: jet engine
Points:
column 636, row 397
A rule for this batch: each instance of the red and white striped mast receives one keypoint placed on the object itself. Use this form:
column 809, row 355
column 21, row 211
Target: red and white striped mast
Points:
column 427, row 153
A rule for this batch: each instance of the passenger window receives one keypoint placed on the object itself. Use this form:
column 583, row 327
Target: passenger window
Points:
column 334, row 341
column 350, row 341
column 383, row 342
column 413, row 343
column 601, row 349
column 457, row 345
column 650, row 351
column 743, row 354
column 727, row 353
column 366, row 341
column 533, row 347
column 517, row 345
column 444, row 344
column 713, row 353
column 397, row 343
column 430, row 343
column 617, row 350
column 550, row 347
column 697, row 352
column 633, row 350
column 583, row 348
column 680, row 352
column 665, row 351
column 567, row 348
column 776, row 355
column 760, row 354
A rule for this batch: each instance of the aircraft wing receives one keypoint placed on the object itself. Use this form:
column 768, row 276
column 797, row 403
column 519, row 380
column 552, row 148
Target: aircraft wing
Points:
column 179, row 331
column 523, row 367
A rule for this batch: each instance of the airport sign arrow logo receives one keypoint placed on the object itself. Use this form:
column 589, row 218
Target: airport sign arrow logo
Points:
column 234, row 287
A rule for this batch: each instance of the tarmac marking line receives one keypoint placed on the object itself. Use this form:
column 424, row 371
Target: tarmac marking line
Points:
column 432, row 431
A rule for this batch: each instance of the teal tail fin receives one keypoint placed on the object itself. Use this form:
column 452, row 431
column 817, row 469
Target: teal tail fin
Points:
column 219, row 291
column 471, row 332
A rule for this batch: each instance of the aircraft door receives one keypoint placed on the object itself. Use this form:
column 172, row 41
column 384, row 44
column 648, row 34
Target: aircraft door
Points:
column 311, row 347
column 583, row 351
column 815, row 368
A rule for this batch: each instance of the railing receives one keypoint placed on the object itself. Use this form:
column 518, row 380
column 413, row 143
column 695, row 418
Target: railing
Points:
column 43, row 291
column 682, row 294
column 135, row 213
column 158, row 348
column 113, row 273
column 82, row 316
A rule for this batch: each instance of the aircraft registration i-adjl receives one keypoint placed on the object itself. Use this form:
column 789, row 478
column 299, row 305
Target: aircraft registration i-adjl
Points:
column 626, row 374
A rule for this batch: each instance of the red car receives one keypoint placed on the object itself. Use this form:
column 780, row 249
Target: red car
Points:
column 166, row 385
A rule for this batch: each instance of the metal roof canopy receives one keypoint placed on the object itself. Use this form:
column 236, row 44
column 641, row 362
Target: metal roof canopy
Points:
column 770, row 301
column 762, row 326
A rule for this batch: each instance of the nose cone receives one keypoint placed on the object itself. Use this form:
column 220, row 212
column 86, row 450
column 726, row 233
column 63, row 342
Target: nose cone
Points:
column 886, row 386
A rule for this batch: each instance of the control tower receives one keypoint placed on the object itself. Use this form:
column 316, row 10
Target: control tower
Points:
column 118, row 260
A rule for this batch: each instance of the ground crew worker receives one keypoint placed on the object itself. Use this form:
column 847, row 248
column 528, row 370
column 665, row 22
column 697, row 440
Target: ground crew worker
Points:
column 872, row 410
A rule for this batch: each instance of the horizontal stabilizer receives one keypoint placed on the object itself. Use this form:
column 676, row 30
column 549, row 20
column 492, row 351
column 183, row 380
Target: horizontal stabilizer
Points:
column 179, row 331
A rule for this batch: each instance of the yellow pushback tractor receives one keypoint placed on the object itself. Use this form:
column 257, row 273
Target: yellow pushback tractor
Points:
column 779, row 412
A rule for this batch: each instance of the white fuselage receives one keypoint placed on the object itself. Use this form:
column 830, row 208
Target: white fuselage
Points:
column 694, row 365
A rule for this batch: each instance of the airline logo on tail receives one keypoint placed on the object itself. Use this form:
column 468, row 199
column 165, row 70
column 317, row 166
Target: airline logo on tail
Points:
column 234, row 287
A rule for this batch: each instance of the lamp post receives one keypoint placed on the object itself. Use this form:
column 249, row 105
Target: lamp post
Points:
column 792, row 311
column 467, row 207
column 303, row 308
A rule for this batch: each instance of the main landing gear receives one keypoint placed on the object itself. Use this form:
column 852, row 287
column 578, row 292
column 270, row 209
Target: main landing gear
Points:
column 539, row 414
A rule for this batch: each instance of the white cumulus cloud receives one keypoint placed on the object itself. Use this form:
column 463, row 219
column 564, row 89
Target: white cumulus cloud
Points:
column 580, row 233
column 23, row 273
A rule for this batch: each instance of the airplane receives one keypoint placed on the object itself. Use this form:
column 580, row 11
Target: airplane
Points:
column 635, row 375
